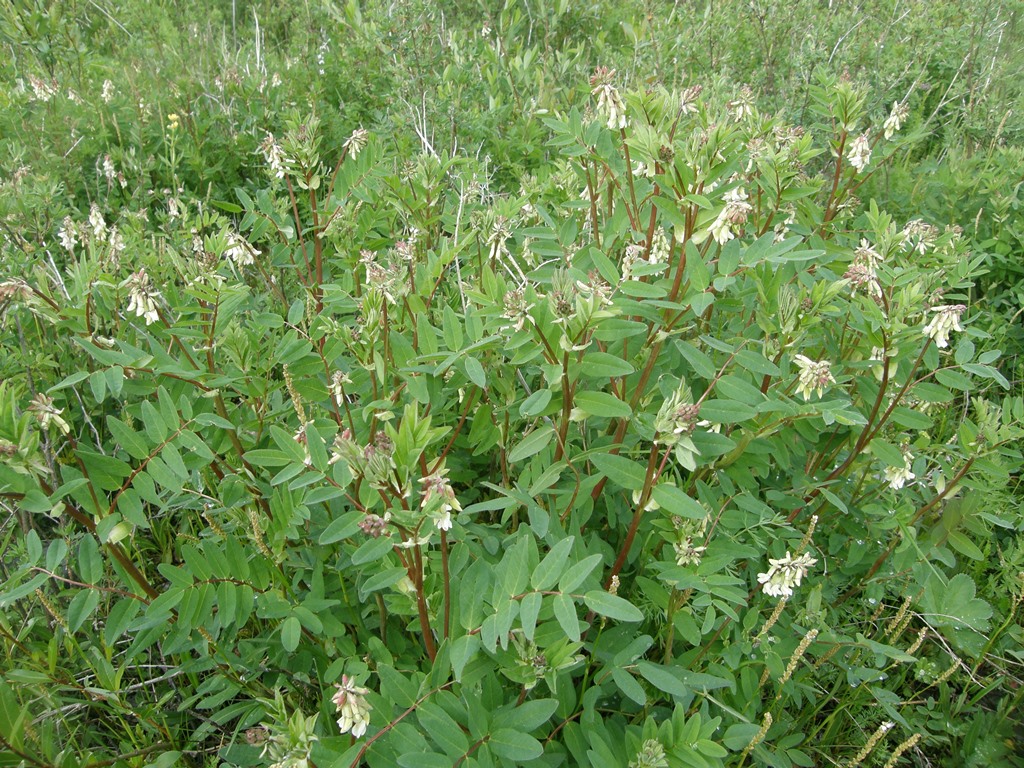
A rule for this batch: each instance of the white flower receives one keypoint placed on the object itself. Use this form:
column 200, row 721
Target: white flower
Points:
column 815, row 375
column 68, row 234
column 46, row 414
column 608, row 98
column 107, row 94
column 143, row 297
column 895, row 119
column 859, row 154
column 444, row 521
column 240, row 251
column 274, row 155
column 355, row 143
column 353, row 707
column 946, row 320
column 784, row 574
column 897, row 477
column 99, row 226
column 687, row 553
column 42, row 90
column 660, row 247
column 736, row 211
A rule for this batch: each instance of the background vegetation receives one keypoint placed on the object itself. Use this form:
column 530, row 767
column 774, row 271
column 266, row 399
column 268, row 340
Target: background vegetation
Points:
column 546, row 383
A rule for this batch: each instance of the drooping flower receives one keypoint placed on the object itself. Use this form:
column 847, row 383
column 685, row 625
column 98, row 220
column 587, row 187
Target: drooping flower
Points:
column 99, row 226
column 784, row 574
column 736, row 212
column 743, row 105
column 897, row 477
column 946, row 320
column 355, row 143
column 46, row 414
column 895, row 119
column 274, row 155
column 350, row 701
column 815, row 375
column 608, row 98
column 240, row 251
column 142, row 297
column 439, row 498
column 68, row 234
column 859, row 154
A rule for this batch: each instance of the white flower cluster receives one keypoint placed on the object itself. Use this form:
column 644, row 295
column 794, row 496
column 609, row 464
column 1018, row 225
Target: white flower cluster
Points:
column 143, row 297
column 736, row 211
column 353, row 707
column 784, row 574
column 42, row 90
column 439, row 497
column 815, row 375
column 859, row 154
column 46, row 414
column 608, row 99
column 895, row 119
column 240, row 251
column 945, row 321
column 274, row 156
column 355, row 143
column 107, row 94
column 897, row 477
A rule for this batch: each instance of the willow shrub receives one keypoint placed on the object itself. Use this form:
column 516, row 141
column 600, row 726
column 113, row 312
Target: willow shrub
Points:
column 680, row 457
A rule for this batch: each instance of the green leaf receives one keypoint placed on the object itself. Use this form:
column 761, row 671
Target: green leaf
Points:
column 515, row 745
column 371, row 550
column 601, row 365
column 676, row 502
column 726, row 411
column 602, row 404
column 291, row 632
column 612, row 606
column 81, row 608
column 90, row 561
column 887, row 452
column 551, row 567
column 529, row 610
column 475, row 372
column 463, row 650
column 535, row 403
column 578, row 573
column 629, row 686
column 445, row 732
column 661, row 678
column 381, row 580
column 530, row 715
column 565, row 613
column 620, row 470
column 342, row 527
column 533, row 443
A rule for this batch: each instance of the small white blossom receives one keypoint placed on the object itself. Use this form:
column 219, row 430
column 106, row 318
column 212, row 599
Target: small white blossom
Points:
column 99, row 226
column 355, row 143
column 240, row 251
column 42, row 90
column 143, row 297
column 350, row 701
column 42, row 407
column 736, row 212
column 895, row 119
column 68, row 234
column 274, row 155
column 897, row 477
column 784, row 574
column 946, row 320
column 859, row 154
column 608, row 99
column 107, row 94
column 815, row 375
